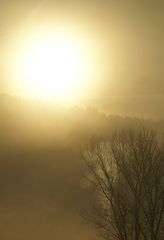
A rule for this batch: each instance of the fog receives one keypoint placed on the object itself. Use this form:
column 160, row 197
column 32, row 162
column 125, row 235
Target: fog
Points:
column 41, row 166
column 42, row 141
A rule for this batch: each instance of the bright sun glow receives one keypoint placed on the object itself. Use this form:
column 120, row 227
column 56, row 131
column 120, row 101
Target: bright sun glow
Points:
column 54, row 66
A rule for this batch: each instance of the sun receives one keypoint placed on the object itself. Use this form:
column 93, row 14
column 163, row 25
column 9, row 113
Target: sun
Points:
column 53, row 66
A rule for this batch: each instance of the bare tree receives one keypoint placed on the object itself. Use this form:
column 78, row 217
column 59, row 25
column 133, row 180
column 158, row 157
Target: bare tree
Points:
column 127, row 175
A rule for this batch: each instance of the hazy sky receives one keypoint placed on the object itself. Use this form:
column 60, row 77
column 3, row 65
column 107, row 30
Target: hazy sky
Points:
column 129, row 35
column 41, row 145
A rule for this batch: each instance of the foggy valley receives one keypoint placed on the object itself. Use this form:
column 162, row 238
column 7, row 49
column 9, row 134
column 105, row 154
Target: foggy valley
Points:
column 41, row 166
column 81, row 120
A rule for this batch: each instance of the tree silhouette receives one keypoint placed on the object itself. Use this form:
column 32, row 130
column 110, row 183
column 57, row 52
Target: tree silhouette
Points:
column 127, row 176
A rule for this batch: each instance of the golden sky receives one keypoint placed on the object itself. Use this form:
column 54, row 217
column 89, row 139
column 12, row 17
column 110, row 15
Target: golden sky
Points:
column 125, row 41
column 113, row 61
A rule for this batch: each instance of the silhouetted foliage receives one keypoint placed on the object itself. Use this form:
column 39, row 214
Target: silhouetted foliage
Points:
column 127, row 175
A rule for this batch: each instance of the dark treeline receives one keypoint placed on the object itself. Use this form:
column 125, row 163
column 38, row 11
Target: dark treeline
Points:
column 41, row 145
column 38, row 123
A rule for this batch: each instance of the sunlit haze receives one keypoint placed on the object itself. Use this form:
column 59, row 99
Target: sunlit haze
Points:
column 53, row 63
column 81, row 119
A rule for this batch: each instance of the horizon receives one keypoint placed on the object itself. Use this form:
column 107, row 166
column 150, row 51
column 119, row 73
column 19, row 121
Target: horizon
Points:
column 132, row 106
